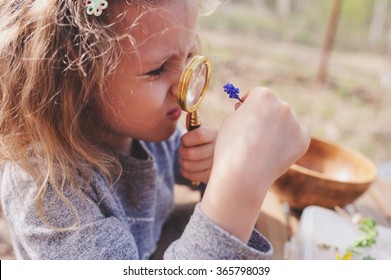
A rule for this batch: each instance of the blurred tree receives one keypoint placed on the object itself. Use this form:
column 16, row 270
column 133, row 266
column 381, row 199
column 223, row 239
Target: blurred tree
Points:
column 362, row 26
column 259, row 4
column 283, row 8
column 329, row 40
column 301, row 6
column 378, row 21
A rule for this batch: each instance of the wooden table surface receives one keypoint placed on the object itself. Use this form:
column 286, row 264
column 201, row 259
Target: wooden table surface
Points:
column 272, row 222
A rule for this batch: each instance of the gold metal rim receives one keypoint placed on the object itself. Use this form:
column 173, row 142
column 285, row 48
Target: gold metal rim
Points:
column 185, row 79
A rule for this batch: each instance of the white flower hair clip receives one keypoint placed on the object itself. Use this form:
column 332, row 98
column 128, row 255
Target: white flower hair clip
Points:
column 95, row 7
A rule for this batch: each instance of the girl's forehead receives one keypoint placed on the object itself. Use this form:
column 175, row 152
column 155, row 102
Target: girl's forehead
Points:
column 168, row 25
column 160, row 14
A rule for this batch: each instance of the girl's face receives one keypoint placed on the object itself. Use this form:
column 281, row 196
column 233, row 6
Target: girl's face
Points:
column 140, row 100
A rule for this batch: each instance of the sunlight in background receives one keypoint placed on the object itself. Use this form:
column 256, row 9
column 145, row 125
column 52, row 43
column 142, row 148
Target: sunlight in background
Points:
column 278, row 44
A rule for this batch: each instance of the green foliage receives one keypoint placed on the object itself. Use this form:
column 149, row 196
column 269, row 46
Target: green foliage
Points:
column 306, row 22
column 357, row 13
column 368, row 228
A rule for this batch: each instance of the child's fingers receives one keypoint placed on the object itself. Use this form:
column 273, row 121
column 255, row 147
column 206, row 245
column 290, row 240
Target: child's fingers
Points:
column 199, row 136
column 196, row 153
column 196, row 166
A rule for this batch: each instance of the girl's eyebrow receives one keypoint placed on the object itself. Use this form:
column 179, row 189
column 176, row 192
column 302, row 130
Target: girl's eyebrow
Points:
column 159, row 60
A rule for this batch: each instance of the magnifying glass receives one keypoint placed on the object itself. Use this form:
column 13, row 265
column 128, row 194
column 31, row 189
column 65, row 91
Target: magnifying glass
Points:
column 192, row 87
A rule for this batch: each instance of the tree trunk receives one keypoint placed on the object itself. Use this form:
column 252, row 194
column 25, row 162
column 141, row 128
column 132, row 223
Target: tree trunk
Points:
column 329, row 40
column 379, row 17
column 301, row 6
column 283, row 8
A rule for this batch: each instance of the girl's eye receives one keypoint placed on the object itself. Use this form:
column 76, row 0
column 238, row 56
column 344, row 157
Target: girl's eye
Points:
column 157, row 72
column 190, row 56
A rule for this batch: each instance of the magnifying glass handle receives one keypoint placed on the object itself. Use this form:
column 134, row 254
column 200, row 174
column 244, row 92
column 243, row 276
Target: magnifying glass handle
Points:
column 193, row 122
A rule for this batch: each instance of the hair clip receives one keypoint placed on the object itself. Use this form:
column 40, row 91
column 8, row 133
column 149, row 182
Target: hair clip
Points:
column 95, row 7
column 232, row 91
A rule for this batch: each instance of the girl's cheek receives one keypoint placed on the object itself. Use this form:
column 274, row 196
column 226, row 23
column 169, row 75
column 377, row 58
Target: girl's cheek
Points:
column 162, row 88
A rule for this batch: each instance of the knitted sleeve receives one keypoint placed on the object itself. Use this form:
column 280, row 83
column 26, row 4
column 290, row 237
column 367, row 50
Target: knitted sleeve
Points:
column 202, row 239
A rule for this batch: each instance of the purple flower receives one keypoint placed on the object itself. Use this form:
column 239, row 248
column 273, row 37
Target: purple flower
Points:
column 232, row 91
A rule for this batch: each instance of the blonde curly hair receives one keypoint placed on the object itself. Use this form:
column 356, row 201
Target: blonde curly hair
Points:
column 53, row 61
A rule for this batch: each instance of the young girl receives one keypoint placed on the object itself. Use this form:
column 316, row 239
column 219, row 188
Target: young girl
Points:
column 89, row 141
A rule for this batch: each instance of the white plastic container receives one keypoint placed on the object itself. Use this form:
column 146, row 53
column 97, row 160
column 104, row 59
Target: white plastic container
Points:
column 324, row 234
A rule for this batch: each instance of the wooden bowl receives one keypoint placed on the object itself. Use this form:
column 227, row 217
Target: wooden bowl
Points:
column 327, row 175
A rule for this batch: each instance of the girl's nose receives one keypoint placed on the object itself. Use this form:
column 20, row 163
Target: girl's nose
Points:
column 175, row 82
column 174, row 88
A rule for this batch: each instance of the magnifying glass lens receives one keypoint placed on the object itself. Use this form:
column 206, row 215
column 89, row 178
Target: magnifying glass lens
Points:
column 197, row 85
column 193, row 83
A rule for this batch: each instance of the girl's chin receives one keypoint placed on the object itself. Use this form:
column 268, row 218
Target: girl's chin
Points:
column 161, row 135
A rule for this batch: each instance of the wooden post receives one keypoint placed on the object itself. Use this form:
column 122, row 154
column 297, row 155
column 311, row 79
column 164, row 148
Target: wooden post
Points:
column 329, row 40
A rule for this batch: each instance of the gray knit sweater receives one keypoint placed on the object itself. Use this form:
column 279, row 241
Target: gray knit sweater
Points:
column 123, row 221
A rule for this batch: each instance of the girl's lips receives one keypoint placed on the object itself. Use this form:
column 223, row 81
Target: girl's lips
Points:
column 174, row 114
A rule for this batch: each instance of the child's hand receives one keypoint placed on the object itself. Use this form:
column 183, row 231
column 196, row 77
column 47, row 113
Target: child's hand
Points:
column 196, row 153
column 255, row 145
